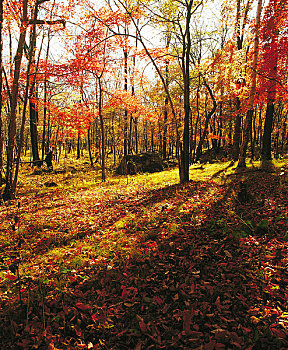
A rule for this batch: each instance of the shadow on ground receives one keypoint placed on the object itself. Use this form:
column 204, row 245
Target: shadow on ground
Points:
column 209, row 273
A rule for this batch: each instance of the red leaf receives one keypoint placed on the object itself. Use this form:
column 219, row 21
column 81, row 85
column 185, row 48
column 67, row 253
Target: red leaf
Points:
column 143, row 326
column 210, row 345
column 187, row 320
column 10, row 277
column 83, row 307
column 124, row 295
column 159, row 300
column 279, row 333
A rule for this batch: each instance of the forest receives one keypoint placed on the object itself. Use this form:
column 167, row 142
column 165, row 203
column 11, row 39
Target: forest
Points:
column 144, row 174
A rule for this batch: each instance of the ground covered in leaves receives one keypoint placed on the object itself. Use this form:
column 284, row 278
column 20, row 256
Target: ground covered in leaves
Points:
column 145, row 263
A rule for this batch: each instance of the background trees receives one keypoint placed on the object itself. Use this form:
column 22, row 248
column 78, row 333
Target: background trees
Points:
column 134, row 76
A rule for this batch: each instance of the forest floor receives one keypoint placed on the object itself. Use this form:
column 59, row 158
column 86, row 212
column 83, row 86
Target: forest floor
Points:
column 146, row 263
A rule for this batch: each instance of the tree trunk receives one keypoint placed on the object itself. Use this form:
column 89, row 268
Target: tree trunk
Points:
column 237, row 127
column 1, row 124
column 208, row 117
column 44, row 120
column 78, row 146
column 32, row 93
column 130, row 138
column 268, row 127
column 197, row 119
column 250, row 112
column 34, row 132
column 126, row 147
column 239, row 36
column 184, row 152
column 89, row 146
column 271, row 38
column 152, row 136
column 136, row 134
column 45, row 102
column 100, row 101
column 164, row 148
column 237, row 132
column 8, row 190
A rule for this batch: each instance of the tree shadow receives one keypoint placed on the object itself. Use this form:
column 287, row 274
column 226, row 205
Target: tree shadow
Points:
column 204, row 276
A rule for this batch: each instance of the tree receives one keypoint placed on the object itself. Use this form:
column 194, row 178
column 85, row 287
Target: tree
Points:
column 185, row 65
column 164, row 150
column 12, row 165
column 249, row 114
column 1, row 84
column 9, row 191
column 180, row 19
column 207, row 120
column 32, row 96
column 274, row 27
column 240, row 80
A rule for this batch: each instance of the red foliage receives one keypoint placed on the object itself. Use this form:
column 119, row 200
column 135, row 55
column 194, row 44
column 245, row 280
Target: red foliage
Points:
column 274, row 50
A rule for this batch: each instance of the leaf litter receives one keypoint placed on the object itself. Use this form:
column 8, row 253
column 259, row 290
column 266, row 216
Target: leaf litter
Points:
column 147, row 267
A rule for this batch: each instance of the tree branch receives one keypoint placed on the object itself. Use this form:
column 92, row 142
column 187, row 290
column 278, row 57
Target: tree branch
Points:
column 42, row 21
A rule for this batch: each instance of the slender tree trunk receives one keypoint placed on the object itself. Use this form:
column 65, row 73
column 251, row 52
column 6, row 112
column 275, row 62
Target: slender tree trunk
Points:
column 164, row 148
column 49, row 132
column 197, row 119
column 271, row 38
column 8, row 190
column 1, row 99
column 34, row 132
column 32, row 93
column 130, row 139
column 208, row 117
column 238, row 121
column 253, row 135
column 250, row 112
column 113, row 137
column 152, row 136
column 237, row 127
column 89, row 146
column 44, row 120
column 126, row 147
column 78, row 146
column 237, row 131
column 268, row 127
column 100, row 101
column 145, row 135
column 45, row 102
column 166, row 102
column 136, row 135
column 220, row 129
column 184, row 151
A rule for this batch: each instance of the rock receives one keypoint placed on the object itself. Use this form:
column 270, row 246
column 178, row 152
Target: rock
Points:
column 140, row 163
column 212, row 155
column 170, row 163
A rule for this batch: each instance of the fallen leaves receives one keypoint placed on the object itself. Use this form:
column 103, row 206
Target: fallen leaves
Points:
column 151, row 268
